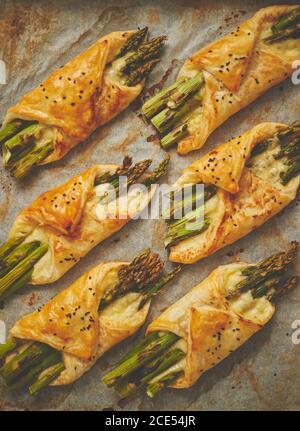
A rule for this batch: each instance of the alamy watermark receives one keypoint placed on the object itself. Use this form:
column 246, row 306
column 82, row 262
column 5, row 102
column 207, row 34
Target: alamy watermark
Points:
column 124, row 202
column 296, row 73
column 296, row 334
column 2, row 332
column 2, row 73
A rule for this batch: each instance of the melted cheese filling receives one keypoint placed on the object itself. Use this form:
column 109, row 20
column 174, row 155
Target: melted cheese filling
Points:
column 258, row 310
column 113, row 71
column 211, row 206
column 123, row 307
column 266, row 167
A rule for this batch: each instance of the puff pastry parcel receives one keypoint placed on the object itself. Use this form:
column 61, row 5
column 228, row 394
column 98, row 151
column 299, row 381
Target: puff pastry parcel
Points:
column 75, row 99
column 222, row 78
column 62, row 225
column 201, row 329
column 103, row 307
column 246, row 181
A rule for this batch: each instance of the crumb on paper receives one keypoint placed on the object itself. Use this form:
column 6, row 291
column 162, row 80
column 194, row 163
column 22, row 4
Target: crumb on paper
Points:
column 32, row 299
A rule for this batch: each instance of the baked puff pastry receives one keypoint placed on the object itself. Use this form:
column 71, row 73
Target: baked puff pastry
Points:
column 77, row 98
column 103, row 307
column 210, row 322
column 222, row 78
column 246, row 181
column 62, row 225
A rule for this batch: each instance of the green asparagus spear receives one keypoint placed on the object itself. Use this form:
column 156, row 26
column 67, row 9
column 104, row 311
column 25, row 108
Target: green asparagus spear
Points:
column 293, row 32
column 183, row 232
column 47, row 377
column 158, row 102
column 291, row 150
column 158, row 172
column 164, row 120
column 174, row 136
column 139, row 359
column 173, row 97
column 22, row 268
column 162, row 363
column 286, row 27
column 133, row 173
column 189, row 225
column 263, row 288
column 285, row 287
column 290, row 173
column 9, row 245
column 151, row 370
column 189, row 201
column 9, row 346
column 139, row 346
column 111, row 177
column 261, row 147
column 18, row 284
column 21, row 142
column 18, row 254
column 22, row 167
column 167, row 380
column 274, row 266
column 185, row 91
column 168, row 107
column 287, row 20
column 145, row 53
column 144, row 269
column 11, row 128
column 140, row 73
column 133, row 42
column 32, row 355
column 150, row 293
column 32, row 373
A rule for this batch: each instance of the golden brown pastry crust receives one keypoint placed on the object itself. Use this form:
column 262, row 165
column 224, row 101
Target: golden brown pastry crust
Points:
column 210, row 326
column 71, row 323
column 80, row 96
column 238, row 69
column 67, row 219
column 245, row 201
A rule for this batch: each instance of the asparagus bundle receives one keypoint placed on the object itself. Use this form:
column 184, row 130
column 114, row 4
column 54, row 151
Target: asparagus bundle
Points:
column 253, row 177
column 285, row 146
column 170, row 110
column 132, row 174
column 194, row 222
column 29, row 143
column 159, row 359
column 217, row 81
column 288, row 26
column 35, row 365
column 17, row 261
column 20, row 254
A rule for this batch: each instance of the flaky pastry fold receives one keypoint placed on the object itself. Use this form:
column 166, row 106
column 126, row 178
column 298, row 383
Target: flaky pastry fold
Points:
column 72, row 219
column 72, row 323
column 244, row 200
column 80, row 96
column 211, row 326
column 238, row 68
